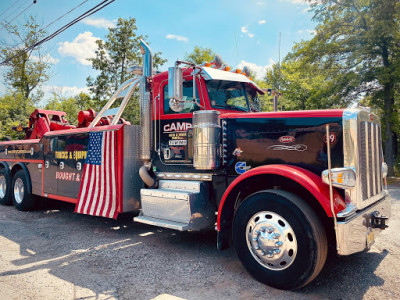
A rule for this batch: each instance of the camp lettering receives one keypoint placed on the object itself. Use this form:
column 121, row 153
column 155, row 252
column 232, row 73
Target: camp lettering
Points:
column 178, row 126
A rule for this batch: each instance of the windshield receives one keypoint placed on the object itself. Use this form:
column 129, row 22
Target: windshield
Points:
column 232, row 95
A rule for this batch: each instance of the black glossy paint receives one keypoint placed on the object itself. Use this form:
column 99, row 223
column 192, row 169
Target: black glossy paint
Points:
column 258, row 140
column 69, row 150
column 292, row 141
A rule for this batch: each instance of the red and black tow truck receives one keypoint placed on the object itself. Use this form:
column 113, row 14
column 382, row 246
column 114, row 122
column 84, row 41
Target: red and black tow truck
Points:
column 278, row 186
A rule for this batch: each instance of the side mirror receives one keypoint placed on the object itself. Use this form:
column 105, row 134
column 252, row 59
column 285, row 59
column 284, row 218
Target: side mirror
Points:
column 175, row 88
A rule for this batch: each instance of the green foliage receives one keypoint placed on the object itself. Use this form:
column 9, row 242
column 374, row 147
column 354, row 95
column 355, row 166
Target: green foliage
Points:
column 306, row 86
column 23, row 74
column 200, row 55
column 70, row 105
column 25, row 71
column 354, row 54
column 119, row 50
column 14, row 111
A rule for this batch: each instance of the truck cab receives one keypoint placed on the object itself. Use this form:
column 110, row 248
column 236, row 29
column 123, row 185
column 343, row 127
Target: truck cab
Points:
column 216, row 89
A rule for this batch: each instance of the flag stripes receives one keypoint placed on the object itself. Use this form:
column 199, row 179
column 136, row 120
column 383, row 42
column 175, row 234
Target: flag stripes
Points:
column 98, row 192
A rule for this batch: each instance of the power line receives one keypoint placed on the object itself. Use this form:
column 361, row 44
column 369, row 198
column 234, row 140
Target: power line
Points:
column 18, row 15
column 59, row 18
column 57, row 32
column 51, row 23
column 15, row 3
column 22, row 4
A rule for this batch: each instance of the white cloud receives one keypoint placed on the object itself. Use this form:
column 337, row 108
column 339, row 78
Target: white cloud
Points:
column 67, row 91
column 308, row 3
column 262, row 22
column 296, row 1
column 309, row 31
column 246, row 31
column 47, row 59
column 99, row 22
column 260, row 3
column 81, row 48
column 259, row 70
column 177, row 37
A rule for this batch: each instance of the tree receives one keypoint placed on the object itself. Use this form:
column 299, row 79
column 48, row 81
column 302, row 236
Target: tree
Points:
column 14, row 111
column 70, row 105
column 305, row 86
column 25, row 70
column 119, row 50
column 356, row 46
column 200, row 55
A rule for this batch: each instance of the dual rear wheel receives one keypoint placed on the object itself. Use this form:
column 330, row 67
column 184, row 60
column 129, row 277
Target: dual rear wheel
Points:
column 16, row 191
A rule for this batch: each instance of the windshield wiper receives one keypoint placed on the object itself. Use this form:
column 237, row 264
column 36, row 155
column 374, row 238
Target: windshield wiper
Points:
column 231, row 107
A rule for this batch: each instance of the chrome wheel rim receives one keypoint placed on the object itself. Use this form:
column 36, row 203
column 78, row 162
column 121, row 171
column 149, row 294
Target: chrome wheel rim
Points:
column 3, row 186
column 271, row 240
column 19, row 190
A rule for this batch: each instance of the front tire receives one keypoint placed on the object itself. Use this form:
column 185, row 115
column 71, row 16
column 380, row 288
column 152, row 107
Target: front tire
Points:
column 279, row 239
column 22, row 197
column 5, row 188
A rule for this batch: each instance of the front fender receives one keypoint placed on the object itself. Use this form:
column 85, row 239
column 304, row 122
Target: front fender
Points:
column 312, row 182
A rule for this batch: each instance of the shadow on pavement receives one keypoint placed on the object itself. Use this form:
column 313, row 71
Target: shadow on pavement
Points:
column 121, row 258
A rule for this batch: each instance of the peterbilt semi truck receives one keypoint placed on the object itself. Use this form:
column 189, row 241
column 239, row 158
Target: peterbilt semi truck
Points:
column 280, row 187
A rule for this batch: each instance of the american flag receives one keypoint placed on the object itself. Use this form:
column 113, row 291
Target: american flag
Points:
column 98, row 192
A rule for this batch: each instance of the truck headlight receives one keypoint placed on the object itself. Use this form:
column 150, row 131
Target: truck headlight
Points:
column 341, row 177
column 384, row 169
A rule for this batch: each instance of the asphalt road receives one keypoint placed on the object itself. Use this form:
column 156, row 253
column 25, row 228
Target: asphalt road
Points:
column 53, row 253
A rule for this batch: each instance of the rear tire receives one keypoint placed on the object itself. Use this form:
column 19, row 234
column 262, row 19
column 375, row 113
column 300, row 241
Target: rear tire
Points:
column 279, row 239
column 5, row 187
column 22, row 197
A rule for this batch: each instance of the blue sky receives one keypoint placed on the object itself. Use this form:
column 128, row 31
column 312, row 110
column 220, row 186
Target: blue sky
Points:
column 242, row 32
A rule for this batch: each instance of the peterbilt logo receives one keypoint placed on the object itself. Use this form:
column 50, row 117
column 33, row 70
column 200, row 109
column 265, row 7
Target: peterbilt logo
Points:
column 286, row 139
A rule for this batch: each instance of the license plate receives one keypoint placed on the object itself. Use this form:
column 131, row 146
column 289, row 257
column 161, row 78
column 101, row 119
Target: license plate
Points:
column 370, row 238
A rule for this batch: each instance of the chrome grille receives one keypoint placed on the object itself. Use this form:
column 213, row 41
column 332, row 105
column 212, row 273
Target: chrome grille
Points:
column 370, row 159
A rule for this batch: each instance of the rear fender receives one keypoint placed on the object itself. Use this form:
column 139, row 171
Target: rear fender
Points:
column 310, row 181
column 5, row 166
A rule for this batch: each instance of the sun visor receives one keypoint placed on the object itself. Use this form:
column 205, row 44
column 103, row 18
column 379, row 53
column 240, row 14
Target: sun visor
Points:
column 215, row 74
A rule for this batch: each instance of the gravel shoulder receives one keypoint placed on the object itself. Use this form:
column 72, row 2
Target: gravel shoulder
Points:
column 53, row 253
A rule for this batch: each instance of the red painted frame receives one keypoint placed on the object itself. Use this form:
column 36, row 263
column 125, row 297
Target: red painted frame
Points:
column 62, row 198
column 120, row 169
column 35, row 141
column 324, row 113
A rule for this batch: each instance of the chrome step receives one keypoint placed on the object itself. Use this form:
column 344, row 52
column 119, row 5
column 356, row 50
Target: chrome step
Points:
column 177, row 204
column 162, row 223
column 181, row 185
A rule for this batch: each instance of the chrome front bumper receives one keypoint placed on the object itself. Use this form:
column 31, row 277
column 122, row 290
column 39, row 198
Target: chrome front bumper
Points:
column 355, row 233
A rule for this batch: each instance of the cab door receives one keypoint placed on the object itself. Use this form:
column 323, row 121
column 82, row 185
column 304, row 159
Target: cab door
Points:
column 66, row 171
column 174, row 131
column 50, row 165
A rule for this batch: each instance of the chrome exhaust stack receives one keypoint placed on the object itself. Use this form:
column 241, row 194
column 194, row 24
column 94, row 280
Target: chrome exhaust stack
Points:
column 146, row 114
